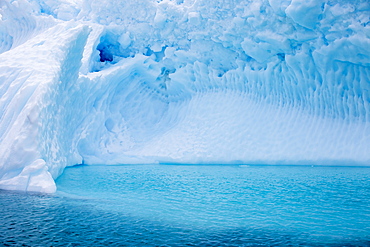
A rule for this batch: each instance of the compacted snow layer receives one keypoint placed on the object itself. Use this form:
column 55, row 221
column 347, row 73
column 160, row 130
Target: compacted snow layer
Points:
column 185, row 81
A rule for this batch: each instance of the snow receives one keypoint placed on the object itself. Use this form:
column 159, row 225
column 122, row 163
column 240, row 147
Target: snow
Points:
column 186, row 81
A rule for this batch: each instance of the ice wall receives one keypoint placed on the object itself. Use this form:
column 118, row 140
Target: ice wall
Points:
column 188, row 81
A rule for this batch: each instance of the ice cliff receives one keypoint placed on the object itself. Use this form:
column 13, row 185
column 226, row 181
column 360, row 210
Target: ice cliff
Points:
column 187, row 81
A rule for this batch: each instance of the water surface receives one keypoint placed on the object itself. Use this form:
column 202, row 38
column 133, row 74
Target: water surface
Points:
column 177, row 205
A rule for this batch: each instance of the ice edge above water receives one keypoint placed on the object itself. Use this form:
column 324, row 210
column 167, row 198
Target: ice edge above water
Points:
column 135, row 82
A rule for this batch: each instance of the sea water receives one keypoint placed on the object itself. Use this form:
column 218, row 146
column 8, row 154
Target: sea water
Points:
column 193, row 205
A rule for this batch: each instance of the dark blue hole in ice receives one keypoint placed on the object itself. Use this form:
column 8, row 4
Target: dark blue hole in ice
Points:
column 110, row 49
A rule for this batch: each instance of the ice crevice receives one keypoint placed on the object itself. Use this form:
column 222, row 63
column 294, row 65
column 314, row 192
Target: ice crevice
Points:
column 124, row 82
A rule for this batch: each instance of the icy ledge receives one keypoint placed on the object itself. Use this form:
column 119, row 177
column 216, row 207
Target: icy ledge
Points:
column 120, row 82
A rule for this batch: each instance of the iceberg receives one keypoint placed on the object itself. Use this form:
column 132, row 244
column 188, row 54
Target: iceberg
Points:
column 181, row 81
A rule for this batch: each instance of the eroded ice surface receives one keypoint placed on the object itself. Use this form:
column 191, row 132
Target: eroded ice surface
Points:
column 188, row 81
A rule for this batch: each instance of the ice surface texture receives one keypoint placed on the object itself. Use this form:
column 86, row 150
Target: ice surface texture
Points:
column 188, row 81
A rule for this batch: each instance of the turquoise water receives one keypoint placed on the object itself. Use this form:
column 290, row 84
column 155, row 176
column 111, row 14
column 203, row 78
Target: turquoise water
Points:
column 186, row 205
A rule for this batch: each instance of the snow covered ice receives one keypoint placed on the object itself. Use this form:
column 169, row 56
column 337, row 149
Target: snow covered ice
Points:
column 185, row 81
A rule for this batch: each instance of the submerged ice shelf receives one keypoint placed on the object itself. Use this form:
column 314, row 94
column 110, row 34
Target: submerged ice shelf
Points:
column 117, row 82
